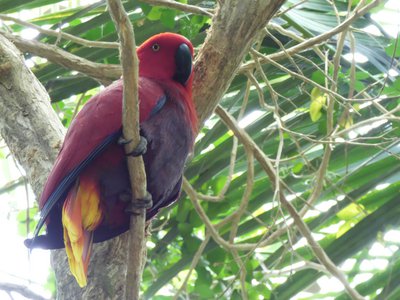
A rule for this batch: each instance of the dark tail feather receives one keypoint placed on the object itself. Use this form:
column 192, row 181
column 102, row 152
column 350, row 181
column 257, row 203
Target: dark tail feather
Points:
column 44, row 242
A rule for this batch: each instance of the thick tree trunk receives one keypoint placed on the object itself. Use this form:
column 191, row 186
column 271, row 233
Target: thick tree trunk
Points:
column 28, row 124
column 107, row 271
column 33, row 132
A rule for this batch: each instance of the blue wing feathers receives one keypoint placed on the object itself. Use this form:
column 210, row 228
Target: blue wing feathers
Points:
column 66, row 183
column 159, row 105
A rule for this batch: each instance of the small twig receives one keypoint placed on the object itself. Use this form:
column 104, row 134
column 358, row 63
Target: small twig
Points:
column 20, row 289
column 212, row 228
column 9, row 186
column 60, row 34
column 246, row 196
column 319, row 39
column 190, row 191
column 307, row 265
column 292, row 35
column 293, row 6
column 282, row 47
column 353, row 65
column 232, row 161
column 261, row 99
column 180, row 6
column 236, row 221
column 221, row 195
column 280, row 123
column 297, row 75
column 137, row 174
column 390, row 115
column 77, row 106
column 242, row 274
column 193, row 265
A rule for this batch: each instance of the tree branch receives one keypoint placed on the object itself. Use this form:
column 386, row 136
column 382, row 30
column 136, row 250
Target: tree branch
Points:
column 20, row 289
column 60, row 34
column 9, row 186
column 137, row 174
column 105, row 74
column 180, row 6
column 29, row 125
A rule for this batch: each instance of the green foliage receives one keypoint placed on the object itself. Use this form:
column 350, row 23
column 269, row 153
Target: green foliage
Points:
column 359, row 199
column 394, row 48
column 318, row 101
column 51, row 284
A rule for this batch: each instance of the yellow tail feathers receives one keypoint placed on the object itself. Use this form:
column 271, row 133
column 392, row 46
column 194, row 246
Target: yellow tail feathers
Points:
column 81, row 215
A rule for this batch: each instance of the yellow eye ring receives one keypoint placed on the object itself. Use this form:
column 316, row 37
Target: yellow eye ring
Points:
column 155, row 47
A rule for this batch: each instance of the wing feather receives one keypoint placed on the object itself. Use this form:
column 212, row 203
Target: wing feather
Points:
column 97, row 126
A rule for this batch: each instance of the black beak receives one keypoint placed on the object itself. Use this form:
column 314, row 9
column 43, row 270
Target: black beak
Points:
column 183, row 61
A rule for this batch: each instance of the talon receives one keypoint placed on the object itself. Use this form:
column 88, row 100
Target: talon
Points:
column 122, row 141
column 144, row 203
column 140, row 149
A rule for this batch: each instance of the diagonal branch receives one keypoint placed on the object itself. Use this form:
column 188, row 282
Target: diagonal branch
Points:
column 130, row 119
column 60, row 34
column 101, row 72
column 20, row 289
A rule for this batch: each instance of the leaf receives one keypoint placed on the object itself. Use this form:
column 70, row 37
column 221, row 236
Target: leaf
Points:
column 185, row 229
column 297, row 168
column 318, row 77
column 203, row 283
column 346, row 121
column 394, row 48
column 318, row 100
column 168, row 18
column 351, row 211
column 393, row 88
column 155, row 13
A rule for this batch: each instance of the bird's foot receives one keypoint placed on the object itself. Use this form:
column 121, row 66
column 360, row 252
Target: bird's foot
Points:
column 136, row 206
column 140, row 149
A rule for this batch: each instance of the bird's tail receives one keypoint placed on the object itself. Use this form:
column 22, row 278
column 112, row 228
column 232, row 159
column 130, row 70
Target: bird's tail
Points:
column 81, row 215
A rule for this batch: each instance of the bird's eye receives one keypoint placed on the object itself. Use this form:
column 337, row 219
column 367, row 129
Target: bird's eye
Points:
column 155, row 47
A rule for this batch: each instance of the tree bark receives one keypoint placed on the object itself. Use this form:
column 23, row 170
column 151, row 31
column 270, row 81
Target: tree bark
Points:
column 28, row 123
column 106, row 276
column 33, row 131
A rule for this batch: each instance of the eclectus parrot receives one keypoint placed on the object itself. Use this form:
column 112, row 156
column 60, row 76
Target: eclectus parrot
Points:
column 87, row 193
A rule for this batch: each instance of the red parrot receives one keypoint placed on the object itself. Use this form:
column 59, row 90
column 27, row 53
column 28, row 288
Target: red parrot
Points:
column 87, row 194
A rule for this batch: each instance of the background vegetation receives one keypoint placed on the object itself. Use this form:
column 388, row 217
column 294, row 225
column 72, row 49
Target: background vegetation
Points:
column 318, row 93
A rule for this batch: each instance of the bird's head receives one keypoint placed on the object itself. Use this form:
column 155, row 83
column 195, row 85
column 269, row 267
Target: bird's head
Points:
column 167, row 56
